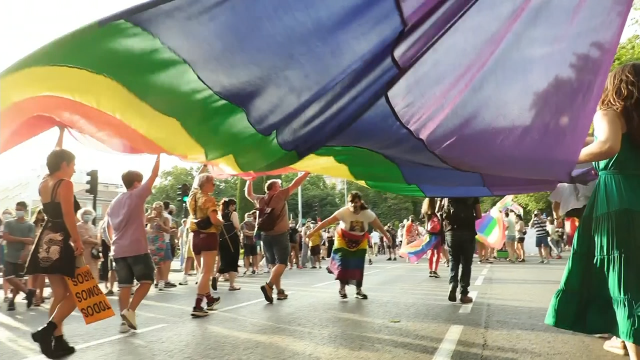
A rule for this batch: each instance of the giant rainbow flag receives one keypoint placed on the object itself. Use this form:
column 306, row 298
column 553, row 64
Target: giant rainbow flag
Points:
column 415, row 97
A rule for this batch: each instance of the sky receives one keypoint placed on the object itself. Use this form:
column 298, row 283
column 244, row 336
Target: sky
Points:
column 23, row 30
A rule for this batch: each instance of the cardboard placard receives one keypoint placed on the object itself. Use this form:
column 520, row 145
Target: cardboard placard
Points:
column 90, row 299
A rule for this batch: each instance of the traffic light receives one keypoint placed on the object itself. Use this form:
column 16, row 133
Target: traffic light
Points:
column 183, row 193
column 92, row 182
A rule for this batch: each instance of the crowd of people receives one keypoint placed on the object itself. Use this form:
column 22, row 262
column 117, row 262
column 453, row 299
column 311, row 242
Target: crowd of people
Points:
column 597, row 294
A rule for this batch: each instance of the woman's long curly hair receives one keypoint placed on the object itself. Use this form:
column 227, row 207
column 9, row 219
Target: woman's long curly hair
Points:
column 622, row 94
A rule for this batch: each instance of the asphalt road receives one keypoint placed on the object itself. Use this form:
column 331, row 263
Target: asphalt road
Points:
column 407, row 316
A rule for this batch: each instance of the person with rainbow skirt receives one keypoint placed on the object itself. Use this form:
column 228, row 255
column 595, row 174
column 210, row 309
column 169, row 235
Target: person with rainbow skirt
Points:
column 350, row 249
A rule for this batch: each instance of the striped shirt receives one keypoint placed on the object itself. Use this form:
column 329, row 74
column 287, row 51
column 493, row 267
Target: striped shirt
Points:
column 540, row 226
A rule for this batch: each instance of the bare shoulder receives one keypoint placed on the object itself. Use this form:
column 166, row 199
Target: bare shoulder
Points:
column 609, row 118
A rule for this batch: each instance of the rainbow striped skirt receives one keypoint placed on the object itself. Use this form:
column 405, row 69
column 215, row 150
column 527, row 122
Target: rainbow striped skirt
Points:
column 348, row 256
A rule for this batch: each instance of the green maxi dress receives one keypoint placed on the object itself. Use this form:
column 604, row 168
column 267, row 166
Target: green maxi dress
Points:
column 600, row 290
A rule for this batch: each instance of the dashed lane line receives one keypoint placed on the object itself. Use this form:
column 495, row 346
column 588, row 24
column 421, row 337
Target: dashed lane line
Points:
column 466, row 308
column 448, row 344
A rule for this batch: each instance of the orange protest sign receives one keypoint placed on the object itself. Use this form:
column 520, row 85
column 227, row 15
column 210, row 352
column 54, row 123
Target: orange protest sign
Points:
column 90, row 299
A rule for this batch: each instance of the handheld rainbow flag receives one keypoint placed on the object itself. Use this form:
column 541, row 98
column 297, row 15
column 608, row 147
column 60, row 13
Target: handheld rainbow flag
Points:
column 491, row 229
column 418, row 249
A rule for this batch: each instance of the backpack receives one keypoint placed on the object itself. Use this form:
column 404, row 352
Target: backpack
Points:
column 459, row 213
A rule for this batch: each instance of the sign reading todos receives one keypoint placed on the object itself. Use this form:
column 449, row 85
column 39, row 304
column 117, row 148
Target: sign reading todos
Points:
column 90, row 299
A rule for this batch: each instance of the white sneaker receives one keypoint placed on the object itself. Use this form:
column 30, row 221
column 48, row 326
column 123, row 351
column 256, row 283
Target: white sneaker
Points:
column 124, row 328
column 129, row 317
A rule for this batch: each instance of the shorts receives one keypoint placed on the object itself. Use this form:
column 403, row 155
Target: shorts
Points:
column 205, row 241
column 168, row 252
column 542, row 241
column 315, row 250
column 392, row 245
column 521, row 240
column 138, row 267
column 250, row 250
column 106, row 266
column 13, row 270
column 511, row 238
column 276, row 248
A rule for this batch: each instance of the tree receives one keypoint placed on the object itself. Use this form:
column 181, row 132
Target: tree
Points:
column 532, row 202
column 487, row 203
column 170, row 181
column 628, row 51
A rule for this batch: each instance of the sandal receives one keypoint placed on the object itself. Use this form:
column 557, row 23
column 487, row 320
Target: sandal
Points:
column 234, row 288
column 282, row 295
column 616, row 346
column 267, row 291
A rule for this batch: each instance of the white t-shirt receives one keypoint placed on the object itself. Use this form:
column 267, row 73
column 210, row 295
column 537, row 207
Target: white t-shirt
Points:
column 356, row 224
column 167, row 237
column 375, row 237
column 572, row 196
column 511, row 226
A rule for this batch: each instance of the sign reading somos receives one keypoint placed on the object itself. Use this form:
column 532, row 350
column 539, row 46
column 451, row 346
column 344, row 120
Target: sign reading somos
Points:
column 90, row 299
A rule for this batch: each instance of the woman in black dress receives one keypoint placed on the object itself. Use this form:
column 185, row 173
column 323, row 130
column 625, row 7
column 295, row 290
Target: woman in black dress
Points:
column 54, row 253
column 229, row 242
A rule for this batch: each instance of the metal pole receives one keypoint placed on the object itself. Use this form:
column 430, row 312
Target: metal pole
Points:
column 300, row 201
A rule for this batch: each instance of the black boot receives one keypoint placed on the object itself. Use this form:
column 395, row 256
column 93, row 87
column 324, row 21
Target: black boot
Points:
column 61, row 347
column 44, row 338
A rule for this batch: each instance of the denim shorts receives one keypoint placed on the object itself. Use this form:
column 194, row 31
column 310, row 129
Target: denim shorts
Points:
column 276, row 248
column 138, row 267
column 542, row 241
column 511, row 238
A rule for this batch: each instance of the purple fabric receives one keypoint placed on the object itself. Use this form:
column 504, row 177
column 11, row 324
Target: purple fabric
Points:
column 448, row 97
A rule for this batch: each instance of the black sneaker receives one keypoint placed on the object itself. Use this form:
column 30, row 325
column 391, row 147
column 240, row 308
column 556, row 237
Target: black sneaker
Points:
column 211, row 305
column 361, row 295
column 169, row 284
column 435, row 275
column 431, row 273
column 109, row 292
column 343, row 294
column 370, row 262
column 453, row 297
column 31, row 294
column 11, row 306
column 395, row 259
column 199, row 311
column 389, row 259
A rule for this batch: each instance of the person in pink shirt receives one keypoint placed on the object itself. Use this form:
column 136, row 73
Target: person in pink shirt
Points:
column 129, row 248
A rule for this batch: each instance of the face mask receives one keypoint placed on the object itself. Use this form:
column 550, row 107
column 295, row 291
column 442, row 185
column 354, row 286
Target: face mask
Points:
column 7, row 217
column 87, row 218
column 19, row 214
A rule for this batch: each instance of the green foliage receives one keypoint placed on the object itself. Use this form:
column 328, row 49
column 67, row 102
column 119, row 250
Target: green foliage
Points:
column 486, row 203
column 170, row 181
column 628, row 51
column 532, row 202
column 168, row 187
column 315, row 190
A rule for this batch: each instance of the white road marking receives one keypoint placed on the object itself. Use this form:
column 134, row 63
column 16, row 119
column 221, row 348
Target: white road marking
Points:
column 488, row 266
column 448, row 344
column 17, row 343
column 485, row 271
column 182, row 307
column 102, row 341
column 480, row 280
column 466, row 308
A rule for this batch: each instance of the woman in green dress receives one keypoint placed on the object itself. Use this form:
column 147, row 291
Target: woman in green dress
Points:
column 600, row 290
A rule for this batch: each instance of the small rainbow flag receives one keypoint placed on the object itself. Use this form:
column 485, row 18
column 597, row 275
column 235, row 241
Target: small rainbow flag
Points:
column 491, row 229
column 417, row 249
